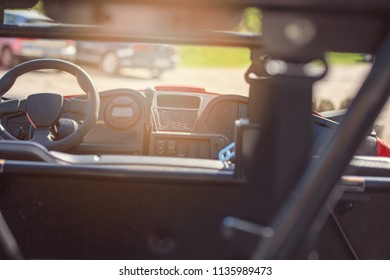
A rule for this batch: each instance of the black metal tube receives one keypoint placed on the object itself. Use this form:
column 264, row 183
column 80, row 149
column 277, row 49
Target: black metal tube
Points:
column 377, row 184
column 364, row 184
column 294, row 219
column 8, row 246
column 96, row 33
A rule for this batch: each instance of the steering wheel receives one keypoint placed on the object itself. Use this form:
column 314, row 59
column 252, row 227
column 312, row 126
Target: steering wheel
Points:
column 44, row 109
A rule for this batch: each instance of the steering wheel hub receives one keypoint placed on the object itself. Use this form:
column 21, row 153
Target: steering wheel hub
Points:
column 47, row 115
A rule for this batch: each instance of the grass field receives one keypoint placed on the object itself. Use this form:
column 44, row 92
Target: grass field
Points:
column 195, row 56
column 344, row 58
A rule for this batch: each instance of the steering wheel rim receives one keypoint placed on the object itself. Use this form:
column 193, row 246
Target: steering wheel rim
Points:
column 84, row 81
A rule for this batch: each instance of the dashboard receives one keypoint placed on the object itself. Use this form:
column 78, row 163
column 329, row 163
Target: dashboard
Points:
column 171, row 121
column 174, row 121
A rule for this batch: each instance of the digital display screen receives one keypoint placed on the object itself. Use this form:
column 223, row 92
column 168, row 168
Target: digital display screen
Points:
column 122, row 112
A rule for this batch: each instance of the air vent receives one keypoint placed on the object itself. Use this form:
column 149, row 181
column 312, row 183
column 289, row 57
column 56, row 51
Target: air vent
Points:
column 176, row 119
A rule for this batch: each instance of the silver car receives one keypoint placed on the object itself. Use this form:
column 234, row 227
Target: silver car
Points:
column 15, row 50
column 112, row 56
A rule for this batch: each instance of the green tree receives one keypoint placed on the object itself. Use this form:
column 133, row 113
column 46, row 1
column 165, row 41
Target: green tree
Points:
column 39, row 7
column 251, row 21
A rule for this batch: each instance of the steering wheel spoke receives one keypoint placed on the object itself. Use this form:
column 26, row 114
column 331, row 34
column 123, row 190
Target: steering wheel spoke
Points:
column 76, row 106
column 43, row 136
column 12, row 106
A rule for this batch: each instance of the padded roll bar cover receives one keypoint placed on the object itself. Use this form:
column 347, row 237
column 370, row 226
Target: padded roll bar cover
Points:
column 20, row 4
column 24, row 150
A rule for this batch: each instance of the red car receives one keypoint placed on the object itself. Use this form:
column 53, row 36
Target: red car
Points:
column 15, row 50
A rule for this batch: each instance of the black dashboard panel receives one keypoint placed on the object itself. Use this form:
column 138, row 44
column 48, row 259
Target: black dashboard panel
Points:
column 121, row 124
column 159, row 123
column 178, row 111
column 196, row 145
column 174, row 122
column 163, row 123
column 220, row 114
column 180, row 126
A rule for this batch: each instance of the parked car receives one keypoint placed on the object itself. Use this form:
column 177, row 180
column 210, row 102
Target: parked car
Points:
column 111, row 57
column 15, row 50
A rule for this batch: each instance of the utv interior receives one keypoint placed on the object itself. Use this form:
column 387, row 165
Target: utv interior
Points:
column 179, row 172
